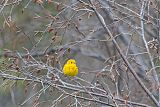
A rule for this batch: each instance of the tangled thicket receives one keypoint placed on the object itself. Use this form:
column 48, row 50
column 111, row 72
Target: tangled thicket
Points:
column 115, row 44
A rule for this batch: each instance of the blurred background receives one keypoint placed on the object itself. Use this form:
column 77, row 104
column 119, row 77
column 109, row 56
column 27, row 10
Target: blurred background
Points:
column 38, row 36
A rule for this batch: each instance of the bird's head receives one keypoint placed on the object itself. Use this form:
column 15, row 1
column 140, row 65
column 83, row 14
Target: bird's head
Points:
column 71, row 61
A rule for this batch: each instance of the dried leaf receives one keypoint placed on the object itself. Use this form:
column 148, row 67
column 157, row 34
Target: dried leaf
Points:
column 50, row 30
column 69, row 50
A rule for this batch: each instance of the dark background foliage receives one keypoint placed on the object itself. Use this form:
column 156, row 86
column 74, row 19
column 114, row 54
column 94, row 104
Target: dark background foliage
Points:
column 115, row 45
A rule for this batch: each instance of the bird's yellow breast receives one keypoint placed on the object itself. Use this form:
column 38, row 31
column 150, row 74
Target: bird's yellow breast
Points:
column 70, row 68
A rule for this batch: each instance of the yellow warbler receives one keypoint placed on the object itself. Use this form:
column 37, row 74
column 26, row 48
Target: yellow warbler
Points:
column 70, row 68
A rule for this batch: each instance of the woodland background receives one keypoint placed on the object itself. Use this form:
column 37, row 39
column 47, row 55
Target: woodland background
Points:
column 114, row 42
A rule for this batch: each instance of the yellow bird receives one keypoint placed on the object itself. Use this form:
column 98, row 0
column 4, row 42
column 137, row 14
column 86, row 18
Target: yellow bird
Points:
column 70, row 68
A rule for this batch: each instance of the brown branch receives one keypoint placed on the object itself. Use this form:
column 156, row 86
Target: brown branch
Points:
column 10, row 77
column 100, row 18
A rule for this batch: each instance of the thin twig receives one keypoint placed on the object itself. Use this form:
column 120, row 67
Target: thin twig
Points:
column 11, row 77
column 100, row 18
column 154, row 74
